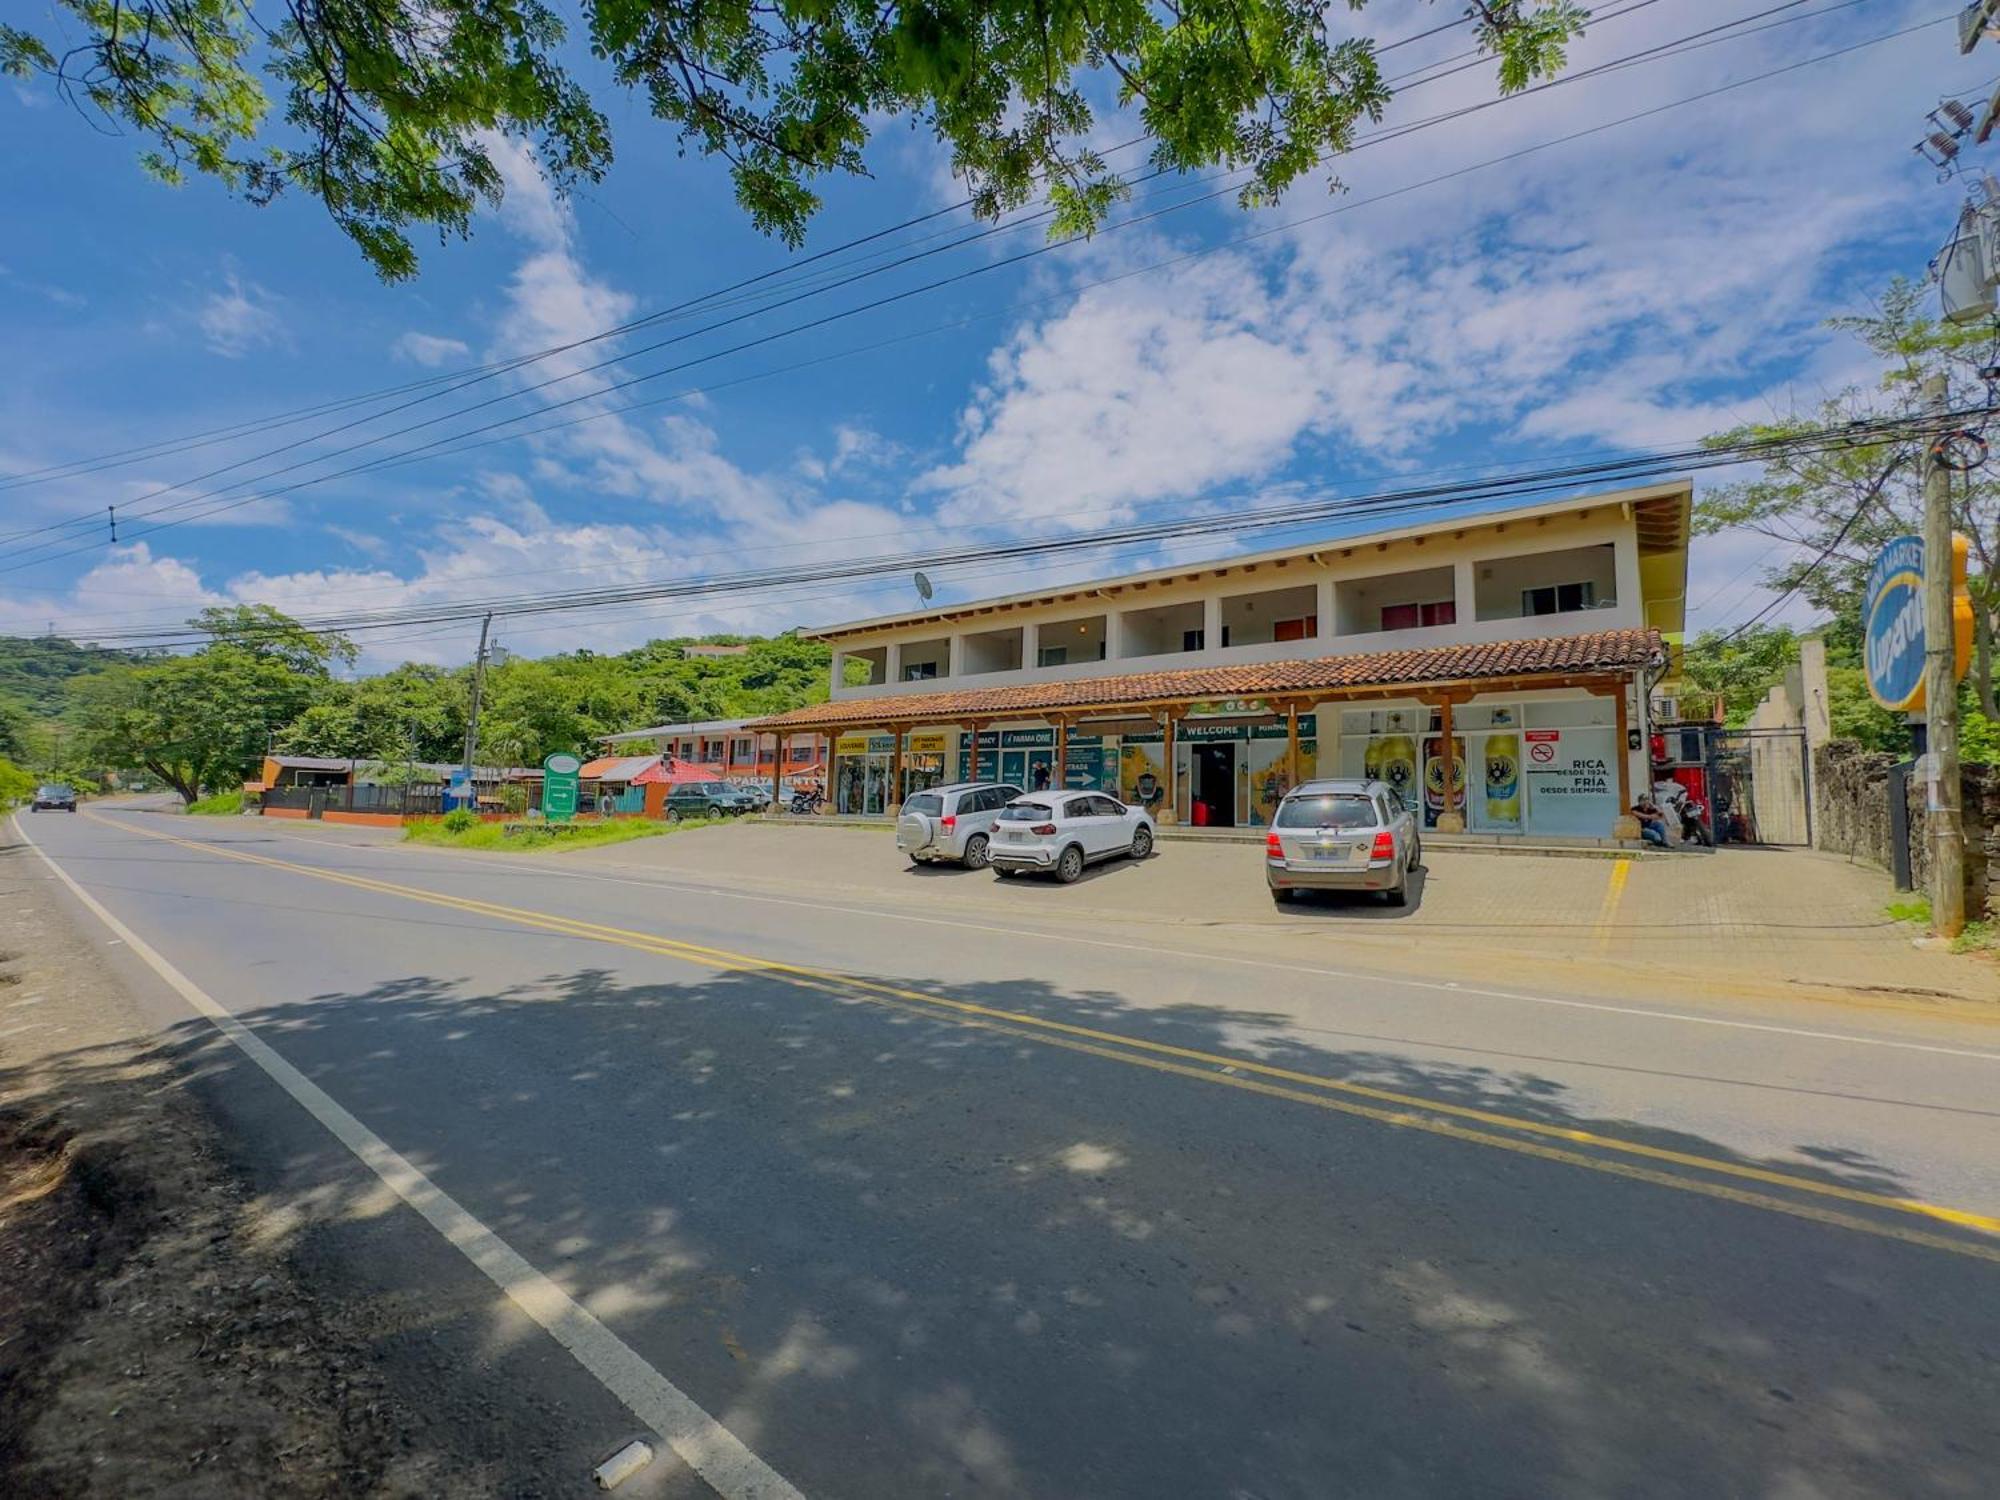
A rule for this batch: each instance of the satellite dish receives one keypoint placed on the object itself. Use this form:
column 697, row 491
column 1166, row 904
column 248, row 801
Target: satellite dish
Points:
column 924, row 590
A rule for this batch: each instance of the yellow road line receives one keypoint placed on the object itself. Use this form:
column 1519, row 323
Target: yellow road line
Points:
column 1405, row 1110
column 1607, row 914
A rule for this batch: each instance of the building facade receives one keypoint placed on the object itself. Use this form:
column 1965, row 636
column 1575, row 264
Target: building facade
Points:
column 734, row 748
column 1494, row 667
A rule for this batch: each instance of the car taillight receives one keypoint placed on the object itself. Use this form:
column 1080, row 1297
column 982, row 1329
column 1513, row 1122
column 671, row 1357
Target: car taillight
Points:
column 1272, row 848
column 1044, row 829
column 948, row 822
column 1385, row 846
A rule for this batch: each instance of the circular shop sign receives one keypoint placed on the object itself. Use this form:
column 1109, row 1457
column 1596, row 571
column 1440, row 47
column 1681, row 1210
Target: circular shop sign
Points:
column 562, row 763
column 1892, row 624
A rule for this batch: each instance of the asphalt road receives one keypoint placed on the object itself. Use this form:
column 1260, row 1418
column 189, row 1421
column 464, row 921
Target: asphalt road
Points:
column 969, row 1208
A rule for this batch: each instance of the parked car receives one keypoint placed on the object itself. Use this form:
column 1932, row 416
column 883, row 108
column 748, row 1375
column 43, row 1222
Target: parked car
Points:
column 1061, row 832
column 952, row 823
column 1342, row 836
column 760, row 796
column 707, row 799
column 53, row 796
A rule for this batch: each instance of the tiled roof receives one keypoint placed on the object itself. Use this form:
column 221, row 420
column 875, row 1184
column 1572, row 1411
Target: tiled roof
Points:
column 1552, row 656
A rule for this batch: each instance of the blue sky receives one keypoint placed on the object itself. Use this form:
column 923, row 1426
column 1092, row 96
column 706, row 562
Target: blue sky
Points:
column 1642, row 286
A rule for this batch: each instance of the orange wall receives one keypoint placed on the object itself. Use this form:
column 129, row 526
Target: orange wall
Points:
column 284, row 812
column 364, row 819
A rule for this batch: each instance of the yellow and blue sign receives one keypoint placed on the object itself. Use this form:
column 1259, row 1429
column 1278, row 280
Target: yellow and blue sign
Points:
column 1892, row 622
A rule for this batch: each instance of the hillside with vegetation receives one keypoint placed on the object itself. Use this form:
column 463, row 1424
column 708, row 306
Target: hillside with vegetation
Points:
column 202, row 720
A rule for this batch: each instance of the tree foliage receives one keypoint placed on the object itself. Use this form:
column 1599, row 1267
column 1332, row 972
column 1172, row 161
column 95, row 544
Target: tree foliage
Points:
column 390, row 107
column 1848, row 501
column 203, row 720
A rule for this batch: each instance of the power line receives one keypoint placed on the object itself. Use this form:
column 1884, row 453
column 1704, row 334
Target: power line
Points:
column 1394, row 133
column 168, row 446
column 1636, row 468
column 429, row 448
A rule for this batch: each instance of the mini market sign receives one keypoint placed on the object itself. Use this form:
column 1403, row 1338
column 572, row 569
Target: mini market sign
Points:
column 1892, row 627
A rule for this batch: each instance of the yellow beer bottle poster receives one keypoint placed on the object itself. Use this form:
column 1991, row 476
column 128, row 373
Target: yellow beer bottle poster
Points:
column 1503, row 779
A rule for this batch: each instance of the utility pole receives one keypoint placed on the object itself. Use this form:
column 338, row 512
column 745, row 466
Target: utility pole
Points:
column 479, row 687
column 1942, row 791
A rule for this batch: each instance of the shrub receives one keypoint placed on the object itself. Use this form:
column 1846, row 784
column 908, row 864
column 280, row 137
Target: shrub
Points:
column 459, row 819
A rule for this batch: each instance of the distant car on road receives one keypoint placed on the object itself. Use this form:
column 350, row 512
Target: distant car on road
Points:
column 1061, row 832
column 952, row 824
column 53, row 796
column 1342, row 836
column 707, row 799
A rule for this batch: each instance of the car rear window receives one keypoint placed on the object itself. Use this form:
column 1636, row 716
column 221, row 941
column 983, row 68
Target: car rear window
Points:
column 1338, row 810
column 930, row 804
column 1026, row 812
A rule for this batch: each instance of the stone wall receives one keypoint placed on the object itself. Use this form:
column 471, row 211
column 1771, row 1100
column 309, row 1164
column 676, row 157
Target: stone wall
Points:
column 1851, row 817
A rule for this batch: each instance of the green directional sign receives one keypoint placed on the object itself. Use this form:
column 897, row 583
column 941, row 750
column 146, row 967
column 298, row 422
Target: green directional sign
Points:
column 559, row 786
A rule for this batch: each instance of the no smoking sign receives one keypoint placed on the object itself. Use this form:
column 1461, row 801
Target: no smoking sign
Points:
column 1544, row 753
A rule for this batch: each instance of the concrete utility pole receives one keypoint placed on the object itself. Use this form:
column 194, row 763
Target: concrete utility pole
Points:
column 479, row 687
column 1947, row 832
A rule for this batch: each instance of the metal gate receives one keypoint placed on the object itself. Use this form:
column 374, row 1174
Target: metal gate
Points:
column 1759, row 786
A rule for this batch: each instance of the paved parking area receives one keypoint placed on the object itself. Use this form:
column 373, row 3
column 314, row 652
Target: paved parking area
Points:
column 1768, row 918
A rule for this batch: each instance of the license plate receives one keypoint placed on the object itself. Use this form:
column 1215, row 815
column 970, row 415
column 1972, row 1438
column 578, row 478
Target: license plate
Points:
column 1015, row 833
column 1328, row 854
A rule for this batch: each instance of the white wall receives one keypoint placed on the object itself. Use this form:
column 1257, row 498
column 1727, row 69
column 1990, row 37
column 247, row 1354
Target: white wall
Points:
column 1338, row 581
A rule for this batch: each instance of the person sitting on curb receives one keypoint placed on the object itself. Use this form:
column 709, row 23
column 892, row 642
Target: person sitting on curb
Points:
column 1652, row 822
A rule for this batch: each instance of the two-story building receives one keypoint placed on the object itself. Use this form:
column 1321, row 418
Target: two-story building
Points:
column 1494, row 666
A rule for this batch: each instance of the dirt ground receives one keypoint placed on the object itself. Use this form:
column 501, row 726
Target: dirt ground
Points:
column 155, row 1337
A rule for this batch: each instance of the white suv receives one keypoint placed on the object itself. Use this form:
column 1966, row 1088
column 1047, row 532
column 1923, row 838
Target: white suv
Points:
column 952, row 822
column 1064, row 831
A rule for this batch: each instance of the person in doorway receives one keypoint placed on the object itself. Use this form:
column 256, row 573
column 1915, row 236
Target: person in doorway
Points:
column 1041, row 776
column 1652, row 822
column 1149, row 791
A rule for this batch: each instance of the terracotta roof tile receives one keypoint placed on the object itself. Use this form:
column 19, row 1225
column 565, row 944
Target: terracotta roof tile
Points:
column 1551, row 656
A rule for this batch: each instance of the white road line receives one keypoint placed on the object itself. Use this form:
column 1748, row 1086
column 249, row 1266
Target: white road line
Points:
column 709, row 1448
column 1156, row 950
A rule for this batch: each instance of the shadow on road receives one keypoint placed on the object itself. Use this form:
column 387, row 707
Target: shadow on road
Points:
column 906, row 1251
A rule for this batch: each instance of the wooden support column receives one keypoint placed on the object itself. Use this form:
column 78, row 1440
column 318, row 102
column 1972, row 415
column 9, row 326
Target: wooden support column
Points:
column 972, row 756
column 778, row 771
column 1627, row 824
column 1450, row 819
column 1061, row 778
column 1169, row 802
column 1291, row 745
column 892, row 799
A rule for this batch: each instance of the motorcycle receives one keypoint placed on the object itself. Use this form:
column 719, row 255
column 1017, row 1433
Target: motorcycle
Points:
column 1694, row 824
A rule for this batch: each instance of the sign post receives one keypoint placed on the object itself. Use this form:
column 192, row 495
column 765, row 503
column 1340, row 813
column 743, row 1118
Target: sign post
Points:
column 559, row 785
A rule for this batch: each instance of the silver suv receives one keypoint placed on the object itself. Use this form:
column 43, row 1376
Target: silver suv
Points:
column 1342, row 836
column 953, row 822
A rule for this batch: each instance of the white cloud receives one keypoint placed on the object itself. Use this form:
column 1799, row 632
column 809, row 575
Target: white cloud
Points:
column 428, row 349
column 241, row 319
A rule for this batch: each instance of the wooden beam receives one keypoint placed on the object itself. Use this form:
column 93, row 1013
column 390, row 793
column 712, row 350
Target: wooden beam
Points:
column 1291, row 744
column 1061, row 778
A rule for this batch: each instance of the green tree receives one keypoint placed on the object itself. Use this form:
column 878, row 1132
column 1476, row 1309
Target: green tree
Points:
column 16, row 785
column 203, row 719
column 413, row 712
column 1739, row 669
column 1840, row 502
column 389, row 107
column 16, row 728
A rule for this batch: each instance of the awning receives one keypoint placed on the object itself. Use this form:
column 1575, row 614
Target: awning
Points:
column 1600, row 654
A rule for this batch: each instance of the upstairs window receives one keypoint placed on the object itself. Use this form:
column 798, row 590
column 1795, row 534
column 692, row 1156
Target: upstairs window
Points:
column 1559, row 598
column 1411, row 616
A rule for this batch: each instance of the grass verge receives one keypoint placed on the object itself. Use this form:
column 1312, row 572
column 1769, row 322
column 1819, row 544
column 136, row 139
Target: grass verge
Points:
column 221, row 805
column 1979, row 936
column 1909, row 909
column 581, row 835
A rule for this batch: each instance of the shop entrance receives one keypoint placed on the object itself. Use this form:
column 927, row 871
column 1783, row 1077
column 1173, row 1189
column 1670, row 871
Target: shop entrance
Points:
column 1214, row 784
column 1019, row 768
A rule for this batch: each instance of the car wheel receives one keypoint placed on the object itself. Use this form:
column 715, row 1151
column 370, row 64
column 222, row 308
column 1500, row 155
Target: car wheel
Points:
column 976, row 852
column 673, row 815
column 1069, row 865
column 1416, row 856
column 1399, row 893
column 1142, row 843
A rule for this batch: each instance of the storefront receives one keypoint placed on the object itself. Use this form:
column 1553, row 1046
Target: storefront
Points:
column 1226, row 774
column 861, row 767
column 1531, row 765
